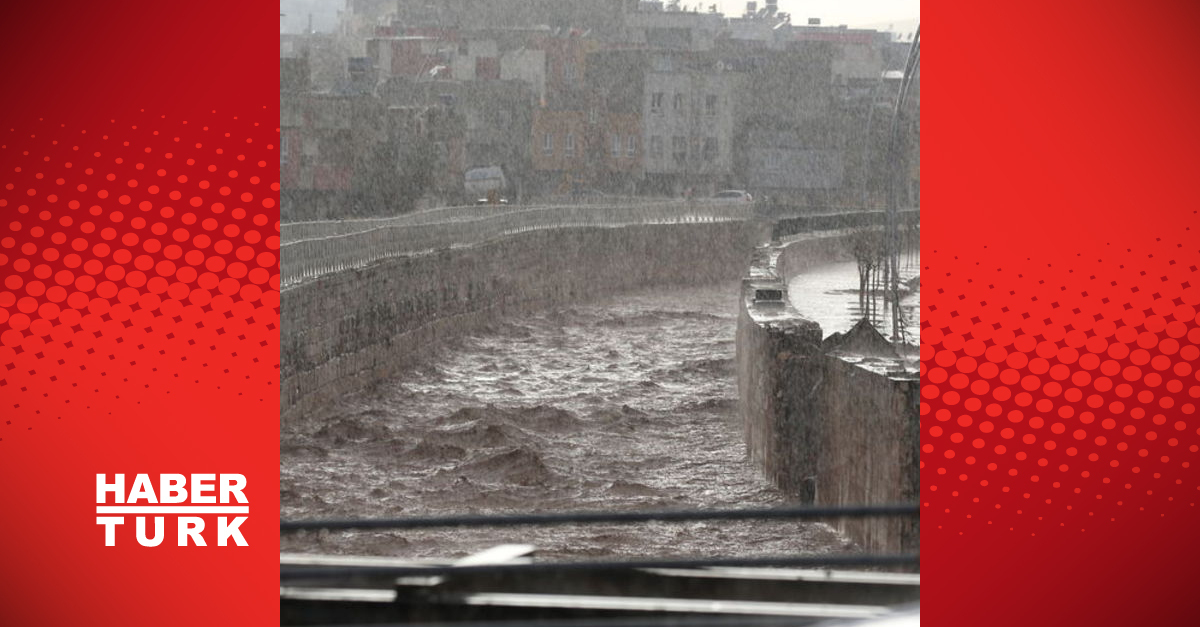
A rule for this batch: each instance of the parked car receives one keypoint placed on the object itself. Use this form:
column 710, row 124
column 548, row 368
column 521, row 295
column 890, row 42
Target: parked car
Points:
column 485, row 201
column 733, row 195
column 481, row 181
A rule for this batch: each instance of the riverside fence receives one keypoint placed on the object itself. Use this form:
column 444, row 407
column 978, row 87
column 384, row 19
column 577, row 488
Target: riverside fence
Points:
column 310, row 250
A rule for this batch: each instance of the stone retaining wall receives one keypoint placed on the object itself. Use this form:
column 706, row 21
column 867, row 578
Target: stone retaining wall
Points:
column 823, row 427
column 344, row 331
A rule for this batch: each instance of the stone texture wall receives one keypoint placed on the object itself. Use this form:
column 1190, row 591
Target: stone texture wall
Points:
column 772, row 357
column 347, row 331
column 869, row 450
column 821, row 427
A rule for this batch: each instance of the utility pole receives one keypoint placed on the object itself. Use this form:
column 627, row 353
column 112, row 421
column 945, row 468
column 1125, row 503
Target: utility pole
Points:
column 866, row 151
column 895, row 171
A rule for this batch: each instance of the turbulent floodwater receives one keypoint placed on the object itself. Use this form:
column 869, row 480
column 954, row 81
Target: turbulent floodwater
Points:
column 626, row 404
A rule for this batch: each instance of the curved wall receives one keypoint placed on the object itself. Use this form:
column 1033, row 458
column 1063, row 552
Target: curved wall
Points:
column 821, row 426
column 345, row 331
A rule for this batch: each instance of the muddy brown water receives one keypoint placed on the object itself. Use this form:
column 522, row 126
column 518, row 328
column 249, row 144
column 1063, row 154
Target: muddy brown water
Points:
column 624, row 404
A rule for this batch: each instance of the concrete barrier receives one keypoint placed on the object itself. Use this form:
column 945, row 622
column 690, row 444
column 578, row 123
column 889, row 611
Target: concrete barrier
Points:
column 314, row 249
column 343, row 331
column 824, row 427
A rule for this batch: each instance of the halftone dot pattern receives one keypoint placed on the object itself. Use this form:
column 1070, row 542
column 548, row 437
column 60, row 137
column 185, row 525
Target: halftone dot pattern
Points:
column 1057, row 398
column 126, row 274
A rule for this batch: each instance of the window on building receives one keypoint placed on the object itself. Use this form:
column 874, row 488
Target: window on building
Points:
column 548, row 144
column 678, row 106
column 569, row 72
column 656, row 147
column 283, row 149
column 774, row 163
column 616, row 145
column 710, row 149
column 569, row 146
column 710, row 105
column 630, row 145
column 592, row 115
column 679, row 149
column 656, row 102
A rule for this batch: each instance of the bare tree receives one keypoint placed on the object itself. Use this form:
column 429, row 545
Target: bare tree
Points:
column 867, row 248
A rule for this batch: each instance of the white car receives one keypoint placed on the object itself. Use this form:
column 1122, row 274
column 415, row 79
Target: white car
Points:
column 733, row 195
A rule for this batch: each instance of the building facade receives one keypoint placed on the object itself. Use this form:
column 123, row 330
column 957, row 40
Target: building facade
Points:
column 688, row 113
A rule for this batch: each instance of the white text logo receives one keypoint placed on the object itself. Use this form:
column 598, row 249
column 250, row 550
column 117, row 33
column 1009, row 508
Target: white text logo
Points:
column 186, row 498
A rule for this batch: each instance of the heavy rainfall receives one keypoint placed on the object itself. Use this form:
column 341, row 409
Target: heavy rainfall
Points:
column 590, row 256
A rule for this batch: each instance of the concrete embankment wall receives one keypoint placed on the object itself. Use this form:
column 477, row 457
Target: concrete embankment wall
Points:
column 345, row 331
column 822, row 427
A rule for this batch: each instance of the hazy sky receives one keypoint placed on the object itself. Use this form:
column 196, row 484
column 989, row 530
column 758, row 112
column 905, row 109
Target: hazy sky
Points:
column 854, row 13
column 904, row 14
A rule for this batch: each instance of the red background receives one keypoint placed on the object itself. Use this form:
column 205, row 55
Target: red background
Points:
column 1060, row 248
column 1063, row 141
column 126, row 129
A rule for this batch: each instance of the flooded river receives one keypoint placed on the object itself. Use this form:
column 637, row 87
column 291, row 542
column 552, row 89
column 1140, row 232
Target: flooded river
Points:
column 625, row 404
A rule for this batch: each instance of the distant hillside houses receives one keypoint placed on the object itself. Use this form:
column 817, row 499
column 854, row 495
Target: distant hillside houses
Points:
column 611, row 97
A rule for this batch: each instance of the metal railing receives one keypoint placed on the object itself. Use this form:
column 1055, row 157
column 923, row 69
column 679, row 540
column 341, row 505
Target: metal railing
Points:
column 314, row 229
column 834, row 220
column 314, row 249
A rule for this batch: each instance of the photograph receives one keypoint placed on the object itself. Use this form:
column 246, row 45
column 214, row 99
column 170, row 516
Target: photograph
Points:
column 599, row 311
